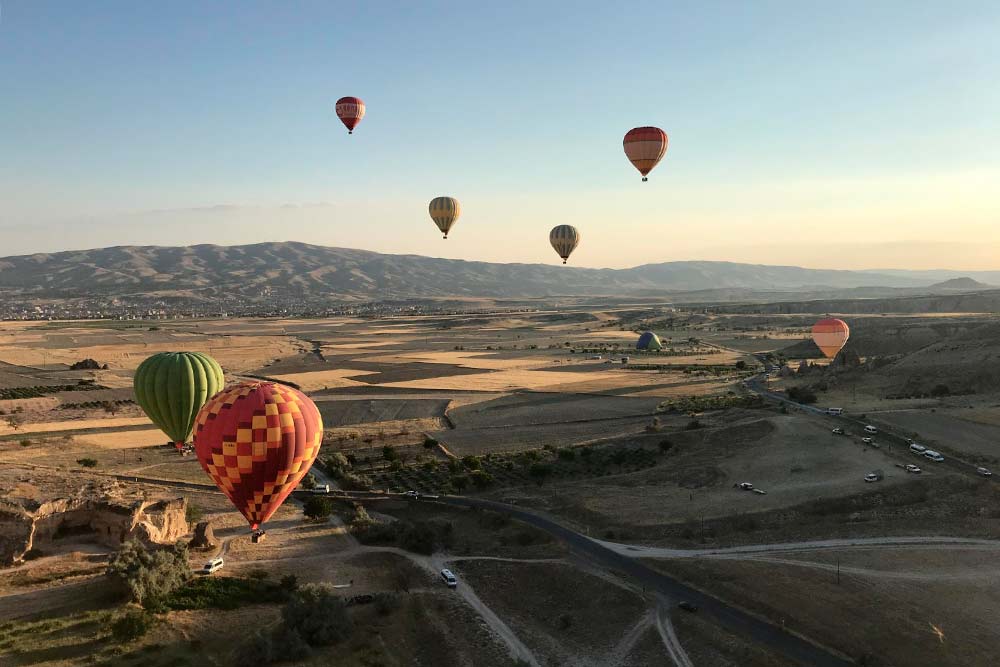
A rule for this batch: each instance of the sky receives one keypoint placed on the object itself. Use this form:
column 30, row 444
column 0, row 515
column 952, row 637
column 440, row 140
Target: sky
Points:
column 830, row 135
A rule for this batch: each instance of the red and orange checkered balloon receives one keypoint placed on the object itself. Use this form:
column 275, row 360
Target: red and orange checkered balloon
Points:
column 257, row 440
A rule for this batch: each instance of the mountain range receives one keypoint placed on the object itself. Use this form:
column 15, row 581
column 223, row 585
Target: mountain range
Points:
column 338, row 274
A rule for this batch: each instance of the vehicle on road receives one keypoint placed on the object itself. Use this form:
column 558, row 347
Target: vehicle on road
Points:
column 449, row 579
column 933, row 456
column 917, row 449
column 835, row 412
column 760, row 491
column 323, row 488
column 870, row 442
column 871, row 429
column 596, row 357
column 874, row 476
column 838, row 431
column 985, row 472
column 412, row 494
column 913, row 469
column 428, row 496
column 213, row 565
column 744, row 486
column 687, row 606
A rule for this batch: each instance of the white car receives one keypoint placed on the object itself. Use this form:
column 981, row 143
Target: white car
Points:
column 213, row 565
column 745, row 486
column 872, row 477
column 871, row 429
column 933, row 456
column 985, row 472
column 412, row 494
column 449, row 579
column 838, row 431
column 912, row 468
column 870, row 442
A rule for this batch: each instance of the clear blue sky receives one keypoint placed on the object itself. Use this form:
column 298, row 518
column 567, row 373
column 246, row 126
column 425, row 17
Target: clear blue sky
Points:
column 851, row 134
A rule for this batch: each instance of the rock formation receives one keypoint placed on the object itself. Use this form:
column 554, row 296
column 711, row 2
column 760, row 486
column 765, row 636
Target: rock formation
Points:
column 106, row 520
column 204, row 537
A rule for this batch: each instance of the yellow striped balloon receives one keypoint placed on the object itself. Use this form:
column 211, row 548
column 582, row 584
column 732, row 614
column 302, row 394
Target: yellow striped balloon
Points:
column 444, row 212
column 564, row 239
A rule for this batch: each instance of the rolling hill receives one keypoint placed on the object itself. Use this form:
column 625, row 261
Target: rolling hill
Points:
column 310, row 271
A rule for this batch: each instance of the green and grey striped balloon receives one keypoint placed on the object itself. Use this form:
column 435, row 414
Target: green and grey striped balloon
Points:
column 172, row 386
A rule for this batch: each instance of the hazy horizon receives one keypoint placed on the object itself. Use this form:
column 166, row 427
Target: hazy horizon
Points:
column 844, row 137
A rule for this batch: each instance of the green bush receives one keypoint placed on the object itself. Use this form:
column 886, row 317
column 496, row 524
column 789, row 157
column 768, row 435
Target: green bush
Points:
column 225, row 593
column 567, row 454
column 258, row 650
column 318, row 614
column 131, row 625
column 87, row 462
column 318, row 508
column 149, row 577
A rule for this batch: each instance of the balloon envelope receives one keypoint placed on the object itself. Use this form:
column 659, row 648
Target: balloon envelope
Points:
column 645, row 147
column 649, row 341
column 350, row 111
column 564, row 240
column 257, row 440
column 171, row 387
column 444, row 212
column 830, row 335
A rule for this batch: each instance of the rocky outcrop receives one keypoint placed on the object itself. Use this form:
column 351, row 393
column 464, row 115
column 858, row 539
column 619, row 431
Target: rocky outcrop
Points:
column 204, row 537
column 108, row 521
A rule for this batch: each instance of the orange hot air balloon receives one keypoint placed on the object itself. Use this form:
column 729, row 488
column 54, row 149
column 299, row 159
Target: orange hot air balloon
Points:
column 350, row 111
column 257, row 440
column 645, row 147
column 830, row 335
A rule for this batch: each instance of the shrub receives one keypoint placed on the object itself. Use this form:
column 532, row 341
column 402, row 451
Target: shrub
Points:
column 87, row 462
column 567, row 454
column 481, row 478
column 318, row 508
column 25, row 443
column 289, row 583
column 224, row 593
column 540, row 471
column 292, row 645
column 148, row 577
column 430, row 443
column 309, row 481
column 471, row 462
column 460, row 482
column 193, row 513
column 386, row 603
column 131, row 625
column 318, row 614
column 389, row 454
column 940, row 390
column 258, row 650
column 665, row 445
column 692, row 425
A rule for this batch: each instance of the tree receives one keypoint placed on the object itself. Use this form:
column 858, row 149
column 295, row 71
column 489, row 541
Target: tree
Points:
column 87, row 462
column 540, row 471
column 741, row 365
column 940, row 390
column 318, row 508
column 147, row 577
column 14, row 422
column 110, row 407
column 389, row 454
column 309, row 481
column 318, row 614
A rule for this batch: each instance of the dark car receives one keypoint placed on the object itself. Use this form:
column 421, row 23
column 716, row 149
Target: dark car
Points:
column 687, row 606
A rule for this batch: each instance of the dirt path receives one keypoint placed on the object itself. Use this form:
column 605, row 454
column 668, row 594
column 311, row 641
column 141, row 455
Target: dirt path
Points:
column 669, row 637
column 619, row 654
column 967, row 574
column 47, row 600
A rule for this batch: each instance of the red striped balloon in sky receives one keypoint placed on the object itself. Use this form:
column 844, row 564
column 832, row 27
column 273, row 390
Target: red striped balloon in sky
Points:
column 830, row 335
column 645, row 147
column 257, row 440
column 350, row 111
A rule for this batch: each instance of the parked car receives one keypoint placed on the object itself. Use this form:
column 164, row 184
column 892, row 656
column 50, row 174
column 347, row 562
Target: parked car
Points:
column 917, row 449
column 835, row 412
column 933, row 456
column 838, row 431
column 687, row 606
column 874, row 476
column 871, row 429
column 985, row 472
column 912, row 468
column 213, row 565
column 449, row 579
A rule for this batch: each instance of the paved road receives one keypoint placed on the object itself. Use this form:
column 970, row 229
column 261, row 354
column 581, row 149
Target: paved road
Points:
column 732, row 618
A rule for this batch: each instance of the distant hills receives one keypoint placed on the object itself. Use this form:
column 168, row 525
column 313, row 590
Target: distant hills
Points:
column 273, row 270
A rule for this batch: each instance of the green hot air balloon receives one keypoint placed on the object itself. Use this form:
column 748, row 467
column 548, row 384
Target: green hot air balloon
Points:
column 172, row 386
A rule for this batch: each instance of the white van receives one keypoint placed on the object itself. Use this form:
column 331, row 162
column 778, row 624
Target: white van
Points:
column 917, row 449
column 213, row 565
column 871, row 430
column 933, row 456
column 449, row 578
column 835, row 412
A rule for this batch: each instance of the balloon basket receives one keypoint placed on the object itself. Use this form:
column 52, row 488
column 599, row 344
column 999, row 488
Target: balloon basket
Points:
column 258, row 536
column 644, row 179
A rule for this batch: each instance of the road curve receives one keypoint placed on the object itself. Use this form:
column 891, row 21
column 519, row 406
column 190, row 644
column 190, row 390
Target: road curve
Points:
column 736, row 620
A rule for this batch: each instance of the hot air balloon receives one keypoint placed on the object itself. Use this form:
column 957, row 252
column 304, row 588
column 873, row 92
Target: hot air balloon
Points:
column 564, row 238
column 830, row 335
column 350, row 111
column 171, row 387
column 444, row 212
column 649, row 341
column 257, row 440
column 645, row 147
